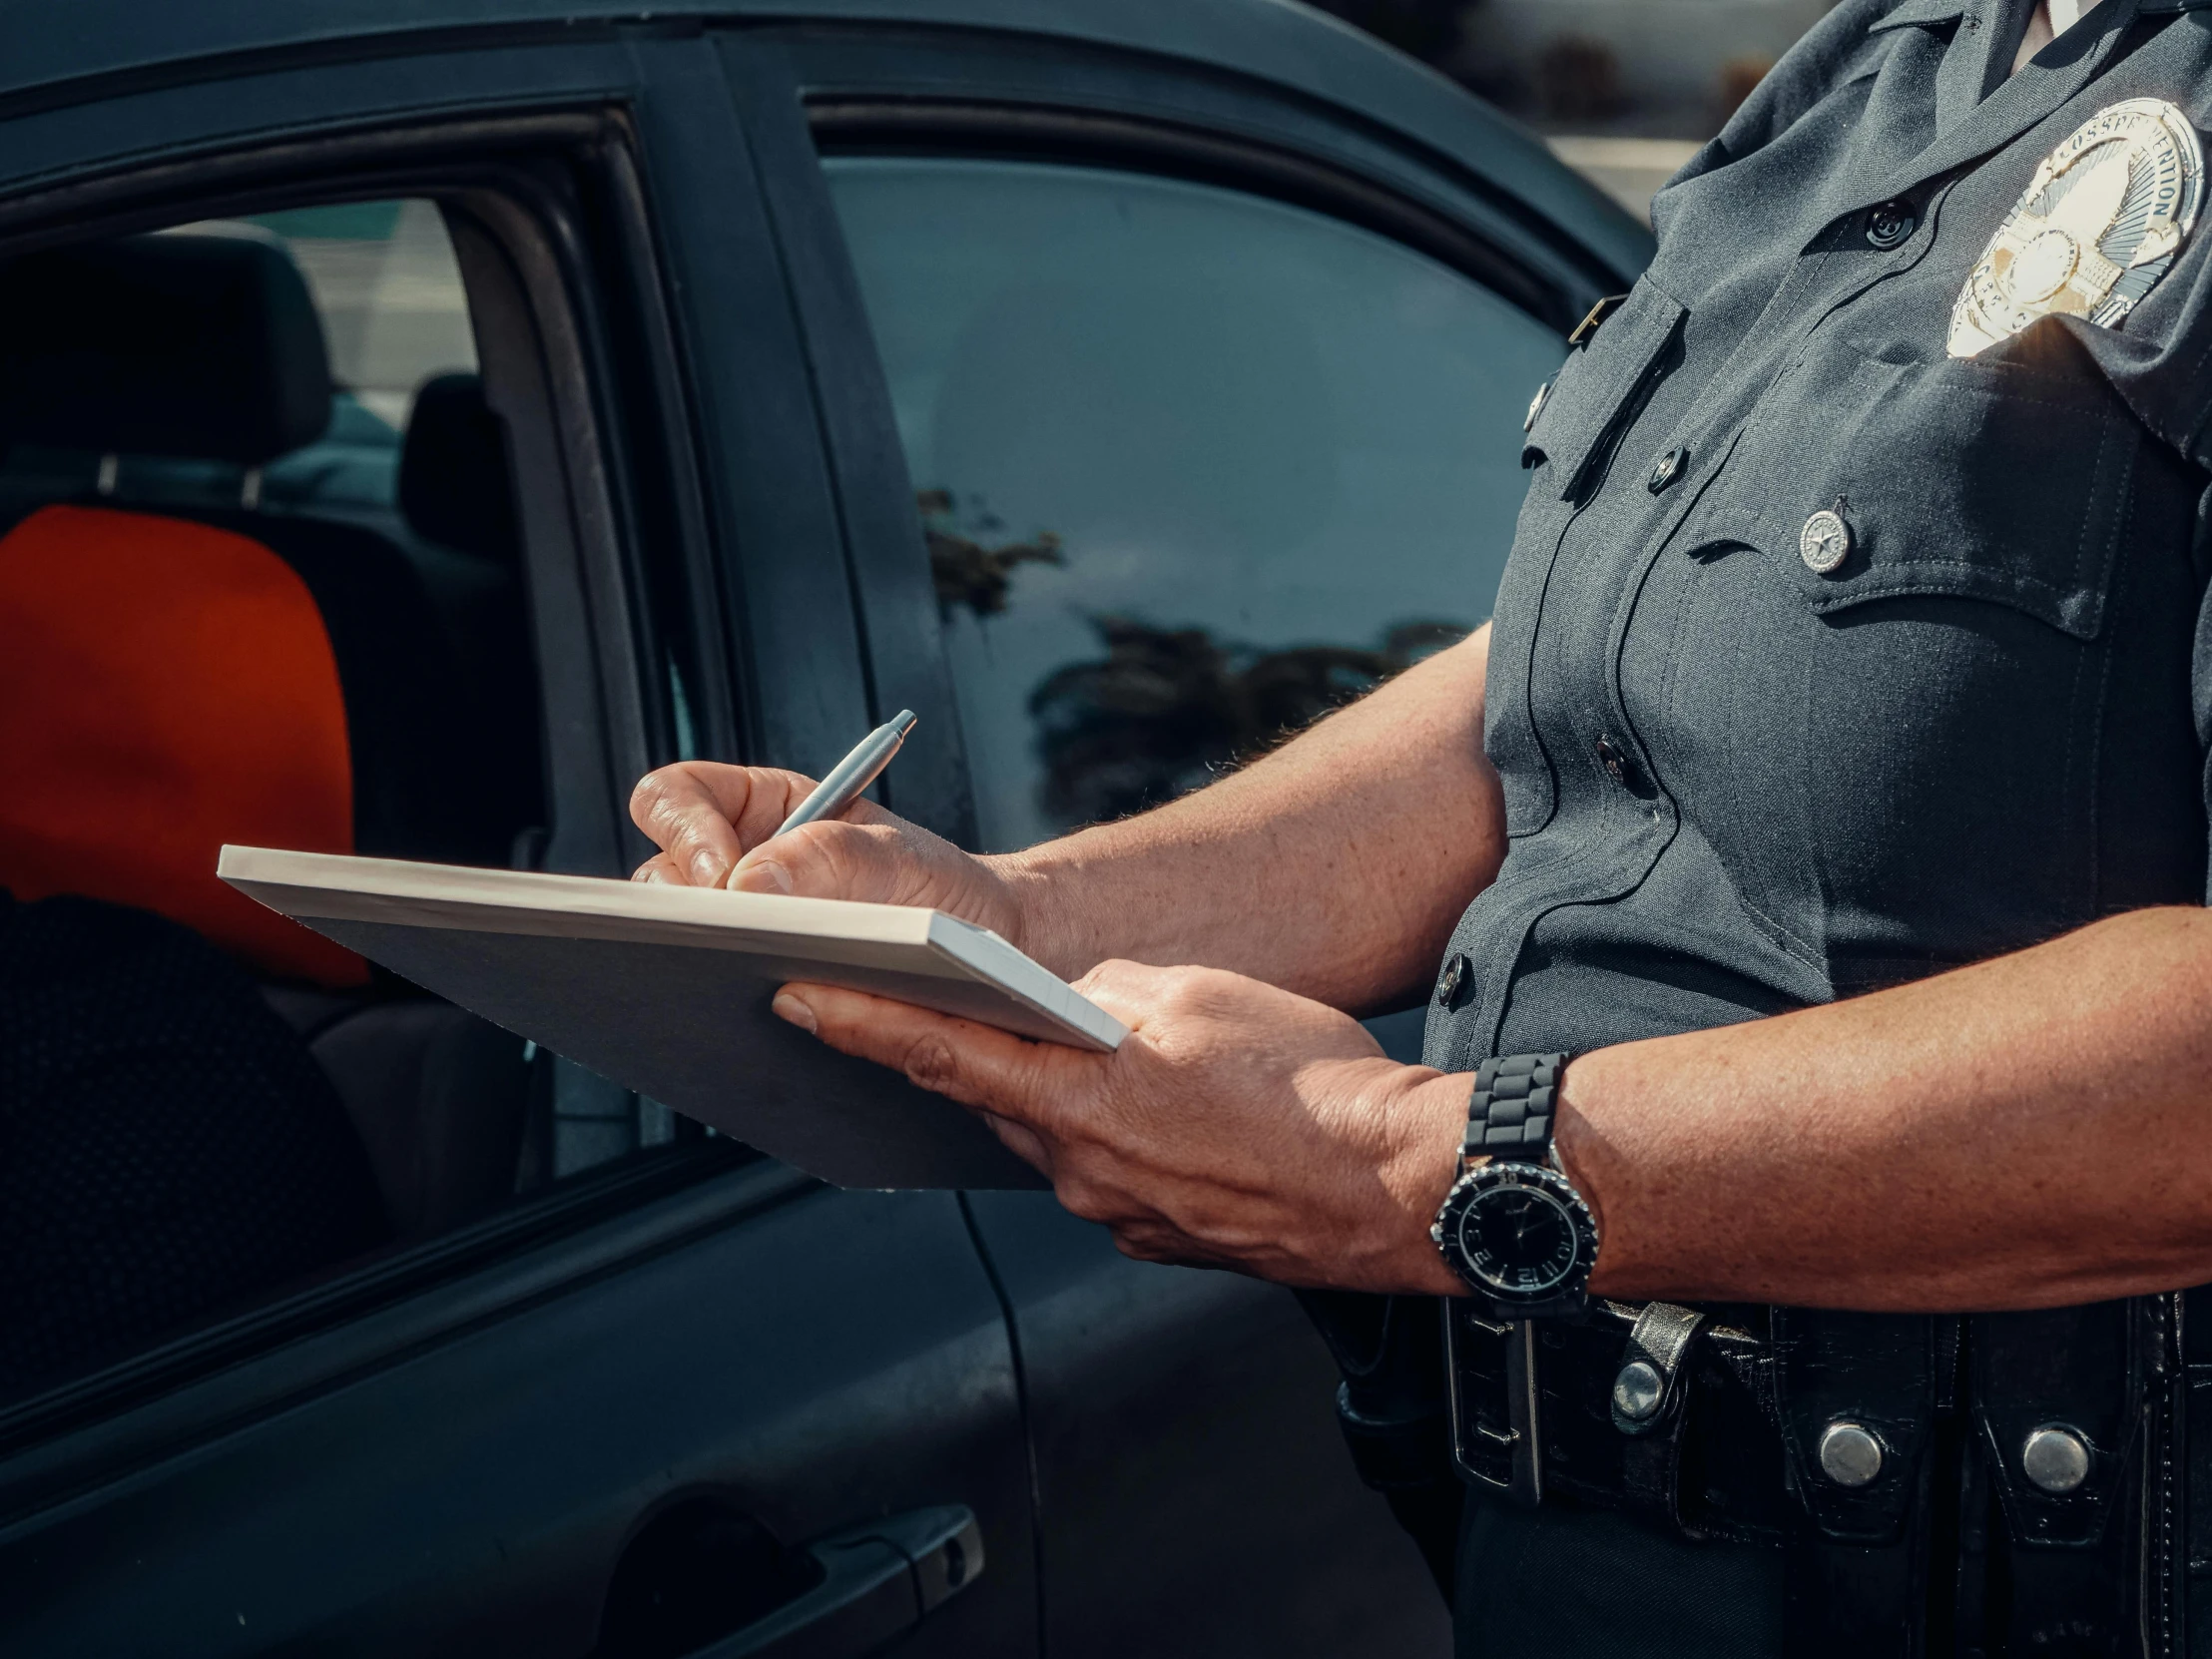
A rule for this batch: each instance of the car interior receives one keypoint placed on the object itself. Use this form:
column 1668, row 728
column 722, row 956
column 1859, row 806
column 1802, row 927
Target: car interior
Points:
column 236, row 606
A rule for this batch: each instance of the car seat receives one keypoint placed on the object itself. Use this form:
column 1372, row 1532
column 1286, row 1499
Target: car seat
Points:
column 456, row 495
column 168, row 1148
column 209, row 348
column 169, row 1152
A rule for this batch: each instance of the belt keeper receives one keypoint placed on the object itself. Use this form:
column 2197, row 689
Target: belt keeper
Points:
column 1647, row 1390
column 1648, row 1407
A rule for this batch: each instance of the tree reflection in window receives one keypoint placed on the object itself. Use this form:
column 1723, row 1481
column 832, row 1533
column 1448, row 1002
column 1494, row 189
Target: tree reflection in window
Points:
column 1166, row 709
column 965, row 572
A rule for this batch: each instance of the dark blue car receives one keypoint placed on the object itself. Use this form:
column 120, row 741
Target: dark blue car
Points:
column 458, row 408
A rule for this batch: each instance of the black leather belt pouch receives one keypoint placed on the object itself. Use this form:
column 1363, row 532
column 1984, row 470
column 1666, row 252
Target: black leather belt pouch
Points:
column 1948, row 1542
column 2054, row 1568
column 1710, row 1466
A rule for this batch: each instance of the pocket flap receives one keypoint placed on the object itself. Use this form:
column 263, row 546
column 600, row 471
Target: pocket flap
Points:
column 1953, row 480
column 1597, row 386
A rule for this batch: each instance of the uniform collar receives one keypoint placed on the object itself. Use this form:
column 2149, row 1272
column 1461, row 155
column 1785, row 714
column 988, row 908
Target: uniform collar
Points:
column 1979, row 126
column 1981, row 51
column 1928, row 13
column 1980, row 54
column 1923, row 12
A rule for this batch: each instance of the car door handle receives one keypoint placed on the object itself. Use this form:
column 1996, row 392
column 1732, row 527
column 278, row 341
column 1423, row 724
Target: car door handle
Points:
column 879, row 1580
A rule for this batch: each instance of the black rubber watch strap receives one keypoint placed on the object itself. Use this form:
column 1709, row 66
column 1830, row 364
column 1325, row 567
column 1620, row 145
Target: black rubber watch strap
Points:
column 1512, row 1113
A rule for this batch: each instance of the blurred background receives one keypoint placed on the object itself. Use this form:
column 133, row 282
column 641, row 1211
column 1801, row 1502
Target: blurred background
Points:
column 1624, row 90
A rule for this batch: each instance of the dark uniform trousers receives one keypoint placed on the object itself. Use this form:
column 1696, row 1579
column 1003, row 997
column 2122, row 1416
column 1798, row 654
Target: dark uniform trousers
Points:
column 1737, row 784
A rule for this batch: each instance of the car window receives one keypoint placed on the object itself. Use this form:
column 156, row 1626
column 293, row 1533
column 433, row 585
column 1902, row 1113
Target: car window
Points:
column 394, row 316
column 1192, row 465
column 261, row 581
column 388, row 292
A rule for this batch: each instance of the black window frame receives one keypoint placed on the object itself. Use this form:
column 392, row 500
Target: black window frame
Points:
column 981, row 129
column 999, row 93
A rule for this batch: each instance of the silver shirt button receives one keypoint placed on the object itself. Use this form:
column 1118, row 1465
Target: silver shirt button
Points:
column 2055, row 1459
column 1536, row 404
column 1850, row 1456
column 1825, row 542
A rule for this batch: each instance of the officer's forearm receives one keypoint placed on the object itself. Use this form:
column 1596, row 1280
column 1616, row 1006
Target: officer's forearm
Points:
column 2034, row 1131
column 1335, row 866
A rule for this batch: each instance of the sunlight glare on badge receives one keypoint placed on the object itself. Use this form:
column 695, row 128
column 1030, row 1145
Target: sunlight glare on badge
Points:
column 2095, row 228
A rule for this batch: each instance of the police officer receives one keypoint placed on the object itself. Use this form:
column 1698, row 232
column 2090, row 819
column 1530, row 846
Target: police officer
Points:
column 1817, row 1135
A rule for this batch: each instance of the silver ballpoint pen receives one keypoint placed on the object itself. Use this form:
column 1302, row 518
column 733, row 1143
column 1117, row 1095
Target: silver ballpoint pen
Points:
column 850, row 777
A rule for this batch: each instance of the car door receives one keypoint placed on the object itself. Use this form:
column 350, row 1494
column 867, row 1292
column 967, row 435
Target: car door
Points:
column 1168, row 414
column 669, row 1396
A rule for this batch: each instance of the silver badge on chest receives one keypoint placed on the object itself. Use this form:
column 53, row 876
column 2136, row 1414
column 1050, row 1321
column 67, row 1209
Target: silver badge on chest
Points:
column 2095, row 228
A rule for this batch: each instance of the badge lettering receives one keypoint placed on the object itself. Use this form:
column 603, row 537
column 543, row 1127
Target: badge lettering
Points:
column 2095, row 228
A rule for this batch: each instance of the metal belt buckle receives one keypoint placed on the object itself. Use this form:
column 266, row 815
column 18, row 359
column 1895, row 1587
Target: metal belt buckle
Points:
column 1480, row 1352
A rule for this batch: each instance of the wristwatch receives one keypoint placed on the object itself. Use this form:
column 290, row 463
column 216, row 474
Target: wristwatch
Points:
column 1514, row 1228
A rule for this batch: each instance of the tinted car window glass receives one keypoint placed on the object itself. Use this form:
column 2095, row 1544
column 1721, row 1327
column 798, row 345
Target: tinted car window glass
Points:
column 261, row 581
column 394, row 316
column 388, row 292
column 1192, row 465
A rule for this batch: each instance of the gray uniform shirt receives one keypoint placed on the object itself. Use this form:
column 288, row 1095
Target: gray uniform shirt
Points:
column 1738, row 785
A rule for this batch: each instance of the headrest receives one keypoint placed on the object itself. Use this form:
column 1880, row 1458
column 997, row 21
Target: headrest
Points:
column 167, row 687
column 202, row 346
column 454, row 486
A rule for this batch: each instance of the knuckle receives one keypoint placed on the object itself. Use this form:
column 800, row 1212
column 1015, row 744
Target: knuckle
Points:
column 853, row 860
column 649, row 800
column 1175, row 988
column 1179, row 991
column 833, row 844
column 664, row 804
column 1129, row 982
column 932, row 1064
column 818, row 860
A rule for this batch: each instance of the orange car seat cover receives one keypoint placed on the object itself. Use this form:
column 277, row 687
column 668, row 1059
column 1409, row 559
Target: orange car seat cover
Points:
column 167, row 687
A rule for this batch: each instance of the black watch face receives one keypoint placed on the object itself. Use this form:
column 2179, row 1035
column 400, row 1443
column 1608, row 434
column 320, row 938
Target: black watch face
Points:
column 1521, row 1241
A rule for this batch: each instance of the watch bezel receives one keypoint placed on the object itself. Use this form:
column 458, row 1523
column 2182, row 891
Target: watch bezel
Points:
column 1565, row 1295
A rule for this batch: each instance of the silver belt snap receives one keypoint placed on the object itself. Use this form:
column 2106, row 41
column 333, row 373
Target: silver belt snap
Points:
column 2056, row 1458
column 1637, row 1391
column 1850, row 1456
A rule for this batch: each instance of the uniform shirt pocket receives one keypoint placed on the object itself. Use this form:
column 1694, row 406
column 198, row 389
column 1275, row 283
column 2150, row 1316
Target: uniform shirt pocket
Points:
column 1895, row 751
column 1595, row 394
column 1956, row 478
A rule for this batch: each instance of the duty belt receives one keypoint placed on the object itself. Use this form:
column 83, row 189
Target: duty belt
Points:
column 1991, row 1484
